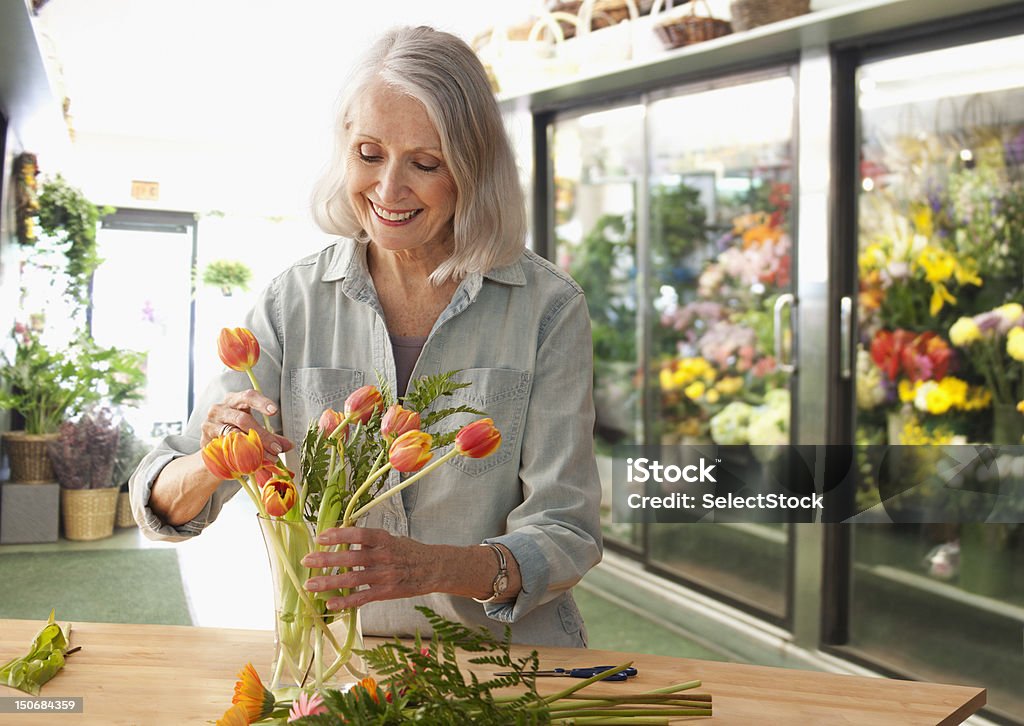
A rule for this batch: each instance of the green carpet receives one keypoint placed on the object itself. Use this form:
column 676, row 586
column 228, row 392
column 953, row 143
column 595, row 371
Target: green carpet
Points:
column 110, row 586
column 610, row 627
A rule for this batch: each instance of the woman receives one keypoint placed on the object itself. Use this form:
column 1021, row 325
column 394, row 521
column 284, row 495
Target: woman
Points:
column 430, row 275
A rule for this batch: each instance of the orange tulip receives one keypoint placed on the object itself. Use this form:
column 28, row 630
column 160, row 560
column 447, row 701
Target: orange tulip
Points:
column 329, row 421
column 278, row 497
column 478, row 439
column 362, row 402
column 272, row 471
column 243, row 453
column 252, row 694
column 213, row 457
column 410, row 451
column 398, row 420
column 238, row 348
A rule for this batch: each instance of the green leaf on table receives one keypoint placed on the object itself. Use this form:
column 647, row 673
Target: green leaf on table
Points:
column 44, row 659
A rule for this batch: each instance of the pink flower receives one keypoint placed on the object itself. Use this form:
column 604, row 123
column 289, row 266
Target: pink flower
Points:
column 329, row 421
column 306, row 705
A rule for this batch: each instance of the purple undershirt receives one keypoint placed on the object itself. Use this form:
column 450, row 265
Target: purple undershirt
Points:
column 407, row 350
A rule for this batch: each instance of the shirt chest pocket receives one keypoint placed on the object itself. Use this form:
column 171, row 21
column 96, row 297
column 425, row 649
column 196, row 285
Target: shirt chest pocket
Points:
column 502, row 394
column 316, row 389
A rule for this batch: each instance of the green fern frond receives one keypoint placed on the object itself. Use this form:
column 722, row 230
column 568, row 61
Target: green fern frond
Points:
column 425, row 390
column 435, row 416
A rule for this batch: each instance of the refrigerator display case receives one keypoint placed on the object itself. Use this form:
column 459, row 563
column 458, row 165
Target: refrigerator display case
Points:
column 858, row 176
column 679, row 233
column 940, row 351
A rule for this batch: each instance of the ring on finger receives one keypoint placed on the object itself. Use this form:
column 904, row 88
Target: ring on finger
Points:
column 225, row 428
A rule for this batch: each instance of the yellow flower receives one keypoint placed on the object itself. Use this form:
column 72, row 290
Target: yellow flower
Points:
column 1020, row 406
column 907, row 390
column 922, row 217
column 1015, row 344
column 712, row 396
column 695, row 390
column 1010, row 312
column 729, row 385
column 978, row 399
column 940, row 296
column 252, row 695
column 665, row 379
column 938, row 264
column 964, row 332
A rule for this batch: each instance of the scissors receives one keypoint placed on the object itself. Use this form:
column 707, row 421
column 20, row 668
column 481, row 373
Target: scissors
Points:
column 590, row 672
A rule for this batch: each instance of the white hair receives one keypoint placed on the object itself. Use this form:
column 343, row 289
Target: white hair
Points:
column 444, row 74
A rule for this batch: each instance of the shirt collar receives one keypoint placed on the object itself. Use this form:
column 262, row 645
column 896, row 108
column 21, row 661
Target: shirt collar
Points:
column 349, row 261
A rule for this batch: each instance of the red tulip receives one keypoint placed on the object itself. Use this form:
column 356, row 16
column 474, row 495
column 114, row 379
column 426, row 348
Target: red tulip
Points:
column 278, row 497
column 243, row 453
column 238, row 348
column 410, row 451
column 329, row 421
column 478, row 439
column 213, row 457
column 398, row 420
column 362, row 402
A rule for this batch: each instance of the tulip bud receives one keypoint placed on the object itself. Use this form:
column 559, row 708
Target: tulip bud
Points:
column 478, row 439
column 329, row 421
column 278, row 497
column 362, row 402
column 398, row 420
column 238, row 348
column 243, row 453
column 213, row 457
column 410, row 451
column 271, row 471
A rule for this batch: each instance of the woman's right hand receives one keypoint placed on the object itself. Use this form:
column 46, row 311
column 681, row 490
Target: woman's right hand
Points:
column 244, row 410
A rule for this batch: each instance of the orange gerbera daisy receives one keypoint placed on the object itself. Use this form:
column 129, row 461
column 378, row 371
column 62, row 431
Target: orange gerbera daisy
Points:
column 234, row 716
column 252, row 695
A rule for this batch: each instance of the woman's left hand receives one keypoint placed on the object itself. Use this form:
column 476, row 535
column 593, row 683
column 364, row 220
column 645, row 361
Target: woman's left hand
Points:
column 393, row 567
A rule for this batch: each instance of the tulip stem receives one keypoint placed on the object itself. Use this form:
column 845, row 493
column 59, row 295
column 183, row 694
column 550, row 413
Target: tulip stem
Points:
column 396, row 489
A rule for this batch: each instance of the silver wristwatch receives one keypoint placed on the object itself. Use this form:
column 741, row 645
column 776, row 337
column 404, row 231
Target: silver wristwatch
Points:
column 500, row 584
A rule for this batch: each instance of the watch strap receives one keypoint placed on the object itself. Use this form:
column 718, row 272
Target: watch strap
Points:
column 500, row 583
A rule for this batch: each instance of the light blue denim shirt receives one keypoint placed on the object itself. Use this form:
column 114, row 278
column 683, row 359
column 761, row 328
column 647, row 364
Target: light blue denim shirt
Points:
column 521, row 336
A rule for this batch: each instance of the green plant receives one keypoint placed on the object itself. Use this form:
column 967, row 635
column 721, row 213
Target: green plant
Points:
column 46, row 387
column 70, row 219
column 83, row 455
column 228, row 275
column 130, row 451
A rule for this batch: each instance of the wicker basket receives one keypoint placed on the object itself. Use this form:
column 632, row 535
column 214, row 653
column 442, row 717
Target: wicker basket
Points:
column 124, row 517
column 29, row 457
column 88, row 513
column 606, row 12
column 747, row 14
column 681, row 30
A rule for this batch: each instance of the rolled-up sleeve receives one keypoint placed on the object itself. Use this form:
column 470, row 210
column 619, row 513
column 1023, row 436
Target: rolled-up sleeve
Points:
column 264, row 322
column 555, row 534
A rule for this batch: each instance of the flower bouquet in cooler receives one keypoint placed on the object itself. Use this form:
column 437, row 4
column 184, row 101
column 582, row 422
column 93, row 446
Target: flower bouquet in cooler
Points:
column 344, row 459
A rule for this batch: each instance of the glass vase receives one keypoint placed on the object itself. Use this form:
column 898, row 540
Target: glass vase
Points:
column 313, row 646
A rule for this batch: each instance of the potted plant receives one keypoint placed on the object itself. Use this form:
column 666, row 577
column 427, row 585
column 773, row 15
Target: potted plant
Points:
column 46, row 387
column 228, row 275
column 130, row 451
column 83, row 459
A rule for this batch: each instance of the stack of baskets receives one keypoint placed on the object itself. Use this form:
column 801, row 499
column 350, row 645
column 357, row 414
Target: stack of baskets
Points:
column 606, row 12
column 747, row 14
column 681, row 30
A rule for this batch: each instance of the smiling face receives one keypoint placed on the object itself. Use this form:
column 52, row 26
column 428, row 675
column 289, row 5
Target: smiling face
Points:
column 398, row 183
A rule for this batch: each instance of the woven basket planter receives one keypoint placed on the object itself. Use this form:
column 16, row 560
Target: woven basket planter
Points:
column 88, row 513
column 681, row 30
column 747, row 14
column 30, row 460
column 124, row 517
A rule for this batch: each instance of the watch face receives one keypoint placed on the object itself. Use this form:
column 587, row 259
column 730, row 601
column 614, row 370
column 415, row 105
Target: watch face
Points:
column 500, row 584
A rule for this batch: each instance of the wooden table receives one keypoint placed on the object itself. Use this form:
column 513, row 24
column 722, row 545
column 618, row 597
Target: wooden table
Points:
column 164, row 674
